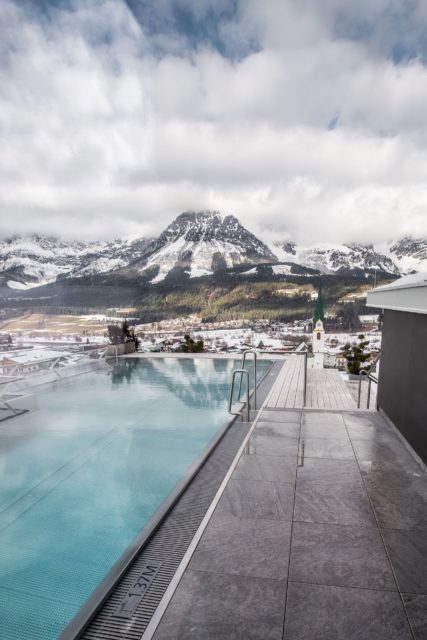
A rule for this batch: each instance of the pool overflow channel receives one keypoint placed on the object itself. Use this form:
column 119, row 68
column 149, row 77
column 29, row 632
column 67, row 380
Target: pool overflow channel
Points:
column 126, row 600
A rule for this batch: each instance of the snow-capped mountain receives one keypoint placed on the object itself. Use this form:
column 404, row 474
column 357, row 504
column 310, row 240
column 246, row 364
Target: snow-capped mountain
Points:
column 337, row 258
column 410, row 254
column 32, row 261
column 196, row 244
column 200, row 243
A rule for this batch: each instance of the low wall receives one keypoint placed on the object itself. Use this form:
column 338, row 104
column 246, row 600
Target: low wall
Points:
column 120, row 349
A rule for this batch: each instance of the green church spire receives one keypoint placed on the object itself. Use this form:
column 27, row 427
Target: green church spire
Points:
column 318, row 311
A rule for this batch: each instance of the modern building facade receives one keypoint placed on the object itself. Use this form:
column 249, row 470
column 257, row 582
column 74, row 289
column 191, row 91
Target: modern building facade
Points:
column 402, row 386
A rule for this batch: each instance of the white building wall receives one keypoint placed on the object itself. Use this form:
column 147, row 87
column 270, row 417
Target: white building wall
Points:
column 318, row 345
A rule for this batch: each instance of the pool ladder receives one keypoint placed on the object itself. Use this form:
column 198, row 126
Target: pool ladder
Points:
column 243, row 373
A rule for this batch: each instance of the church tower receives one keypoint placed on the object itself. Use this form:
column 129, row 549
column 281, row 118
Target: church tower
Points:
column 318, row 332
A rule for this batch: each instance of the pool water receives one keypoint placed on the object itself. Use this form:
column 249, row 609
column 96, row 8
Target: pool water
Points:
column 81, row 476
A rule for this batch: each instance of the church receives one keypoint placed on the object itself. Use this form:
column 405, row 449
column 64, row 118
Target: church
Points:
column 317, row 361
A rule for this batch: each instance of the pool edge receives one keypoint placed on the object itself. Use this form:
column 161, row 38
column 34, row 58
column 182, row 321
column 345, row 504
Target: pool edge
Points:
column 86, row 614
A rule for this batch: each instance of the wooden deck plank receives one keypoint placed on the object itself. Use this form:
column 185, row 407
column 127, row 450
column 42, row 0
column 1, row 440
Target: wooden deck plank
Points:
column 335, row 390
column 319, row 387
column 288, row 390
column 275, row 391
column 286, row 398
column 299, row 391
column 291, row 391
column 280, row 386
column 326, row 389
column 284, row 385
column 327, row 394
column 299, row 396
column 298, row 380
column 342, row 393
column 281, row 383
column 314, row 393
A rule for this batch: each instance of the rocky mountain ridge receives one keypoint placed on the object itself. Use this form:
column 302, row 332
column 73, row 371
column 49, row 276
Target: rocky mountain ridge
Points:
column 201, row 243
column 196, row 244
column 32, row 261
column 335, row 258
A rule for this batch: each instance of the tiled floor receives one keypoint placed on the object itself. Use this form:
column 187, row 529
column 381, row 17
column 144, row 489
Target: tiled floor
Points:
column 320, row 534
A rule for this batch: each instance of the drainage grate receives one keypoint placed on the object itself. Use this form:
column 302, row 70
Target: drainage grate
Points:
column 170, row 542
column 168, row 546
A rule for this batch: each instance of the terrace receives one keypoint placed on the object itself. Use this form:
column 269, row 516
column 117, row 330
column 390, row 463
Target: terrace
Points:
column 318, row 532
column 307, row 522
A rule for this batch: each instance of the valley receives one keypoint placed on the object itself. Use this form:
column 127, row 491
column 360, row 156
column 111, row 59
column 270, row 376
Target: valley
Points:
column 203, row 263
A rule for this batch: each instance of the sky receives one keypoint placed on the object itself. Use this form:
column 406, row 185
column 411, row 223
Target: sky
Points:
column 305, row 119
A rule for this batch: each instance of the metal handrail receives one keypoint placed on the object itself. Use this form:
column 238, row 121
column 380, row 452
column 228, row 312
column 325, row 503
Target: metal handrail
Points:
column 255, row 356
column 367, row 372
column 242, row 372
column 362, row 372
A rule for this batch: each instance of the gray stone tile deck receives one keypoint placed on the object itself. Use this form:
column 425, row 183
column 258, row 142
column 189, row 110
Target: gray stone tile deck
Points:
column 320, row 534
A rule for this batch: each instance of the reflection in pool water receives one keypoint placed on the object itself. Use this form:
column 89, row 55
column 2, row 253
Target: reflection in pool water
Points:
column 82, row 475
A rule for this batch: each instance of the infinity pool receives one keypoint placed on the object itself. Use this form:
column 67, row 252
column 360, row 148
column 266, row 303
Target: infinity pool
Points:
column 81, row 476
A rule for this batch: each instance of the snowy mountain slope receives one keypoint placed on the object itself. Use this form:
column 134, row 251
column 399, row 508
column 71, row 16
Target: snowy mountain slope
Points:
column 409, row 254
column 196, row 244
column 337, row 258
column 32, row 261
column 200, row 243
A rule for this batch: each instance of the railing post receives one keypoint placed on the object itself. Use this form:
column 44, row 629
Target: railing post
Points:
column 247, row 398
column 255, row 381
column 305, row 380
column 361, row 373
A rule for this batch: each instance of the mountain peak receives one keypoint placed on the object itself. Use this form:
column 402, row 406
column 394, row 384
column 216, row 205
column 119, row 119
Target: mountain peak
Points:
column 203, row 215
column 196, row 243
column 202, row 242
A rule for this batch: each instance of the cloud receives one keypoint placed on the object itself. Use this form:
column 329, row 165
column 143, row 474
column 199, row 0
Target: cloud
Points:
column 298, row 117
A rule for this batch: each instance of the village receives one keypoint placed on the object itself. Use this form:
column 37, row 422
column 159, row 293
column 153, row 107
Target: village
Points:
column 35, row 341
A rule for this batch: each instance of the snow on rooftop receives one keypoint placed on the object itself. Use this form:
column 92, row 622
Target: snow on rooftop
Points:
column 408, row 294
column 413, row 280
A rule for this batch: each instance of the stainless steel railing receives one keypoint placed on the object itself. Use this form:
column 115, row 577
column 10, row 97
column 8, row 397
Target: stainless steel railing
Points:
column 255, row 356
column 371, row 378
column 242, row 372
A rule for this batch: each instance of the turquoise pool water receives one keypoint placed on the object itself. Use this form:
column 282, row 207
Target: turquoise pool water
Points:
column 81, row 475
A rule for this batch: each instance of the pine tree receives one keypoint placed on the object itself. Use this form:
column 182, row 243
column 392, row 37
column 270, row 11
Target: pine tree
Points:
column 190, row 346
column 356, row 356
